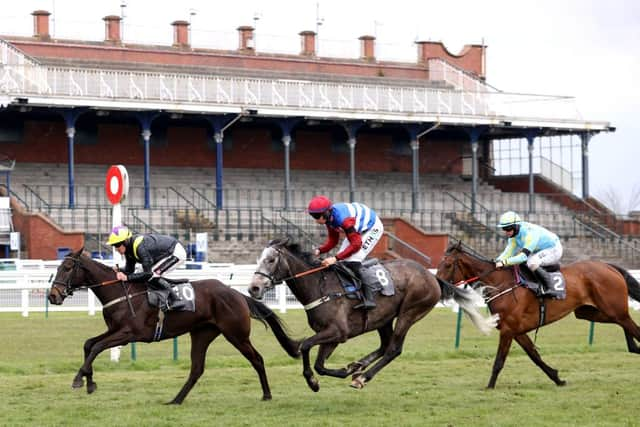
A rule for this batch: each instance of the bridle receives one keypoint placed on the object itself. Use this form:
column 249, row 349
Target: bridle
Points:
column 69, row 287
column 273, row 281
column 470, row 281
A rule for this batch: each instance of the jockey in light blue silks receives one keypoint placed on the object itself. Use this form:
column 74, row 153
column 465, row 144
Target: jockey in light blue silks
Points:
column 531, row 243
column 362, row 228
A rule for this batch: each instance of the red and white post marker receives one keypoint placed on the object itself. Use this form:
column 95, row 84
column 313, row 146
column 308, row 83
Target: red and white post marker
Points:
column 117, row 187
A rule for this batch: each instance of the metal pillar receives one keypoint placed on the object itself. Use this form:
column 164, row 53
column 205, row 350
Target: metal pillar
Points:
column 585, row 138
column 474, row 136
column 219, row 125
column 71, row 132
column 219, row 139
column 146, row 137
column 70, row 118
column 352, row 130
column 415, row 176
column 531, row 135
column 286, row 142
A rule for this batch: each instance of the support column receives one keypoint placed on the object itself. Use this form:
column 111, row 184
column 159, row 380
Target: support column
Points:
column 219, row 124
column 218, row 137
column 474, row 136
column 71, row 132
column 146, row 137
column 585, row 138
column 352, row 129
column 145, row 119
column 531, row 135
column 352, row 168
column 286, row 142
column 286, row 126
column 70, row 118
column 415, row 176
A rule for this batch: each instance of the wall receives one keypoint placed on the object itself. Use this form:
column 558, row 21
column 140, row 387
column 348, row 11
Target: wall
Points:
column 251, row 147
column 40, row 236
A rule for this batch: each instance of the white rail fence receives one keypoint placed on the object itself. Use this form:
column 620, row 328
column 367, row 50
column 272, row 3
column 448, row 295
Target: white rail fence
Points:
column 25, row 289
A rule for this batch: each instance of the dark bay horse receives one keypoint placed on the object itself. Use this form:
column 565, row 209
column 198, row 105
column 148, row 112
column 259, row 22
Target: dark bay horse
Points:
column 331, row 315
column 595, row 290
column 129, row 317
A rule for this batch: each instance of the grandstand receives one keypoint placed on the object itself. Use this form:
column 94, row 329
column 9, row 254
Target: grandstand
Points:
column 235, row 143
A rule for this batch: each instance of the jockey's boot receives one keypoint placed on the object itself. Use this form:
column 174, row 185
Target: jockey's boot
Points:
column 367, row 299
column 367, row 296
column 161, row 284
column 545, row 279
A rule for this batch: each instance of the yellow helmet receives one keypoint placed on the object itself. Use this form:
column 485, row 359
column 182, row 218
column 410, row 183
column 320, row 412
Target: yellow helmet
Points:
column 119, row 234
column 509, row 218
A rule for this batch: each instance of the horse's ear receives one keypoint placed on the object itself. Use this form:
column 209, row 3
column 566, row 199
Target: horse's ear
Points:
column 79, row 252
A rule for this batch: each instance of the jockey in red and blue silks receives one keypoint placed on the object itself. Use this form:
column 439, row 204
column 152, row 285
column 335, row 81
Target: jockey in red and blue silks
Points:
column 362, row 228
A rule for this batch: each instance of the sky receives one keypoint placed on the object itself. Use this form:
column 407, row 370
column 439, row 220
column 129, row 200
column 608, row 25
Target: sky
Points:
column 588, row 49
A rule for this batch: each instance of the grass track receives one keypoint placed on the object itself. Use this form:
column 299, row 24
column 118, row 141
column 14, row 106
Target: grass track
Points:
column 431, row 383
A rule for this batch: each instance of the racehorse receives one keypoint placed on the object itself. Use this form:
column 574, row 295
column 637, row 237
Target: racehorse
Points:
column 129, row 318
column 595, row 291
column 331, row 315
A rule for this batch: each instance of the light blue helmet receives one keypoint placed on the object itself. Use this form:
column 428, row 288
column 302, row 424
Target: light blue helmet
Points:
column 509, row 218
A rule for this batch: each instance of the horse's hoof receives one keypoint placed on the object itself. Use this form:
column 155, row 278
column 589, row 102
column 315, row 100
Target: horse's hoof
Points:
column 173, row 402
column 77, row 383
column 265, row 397
column 313, row 384
column 358, row 382
column 561, row 383
column 91, row 387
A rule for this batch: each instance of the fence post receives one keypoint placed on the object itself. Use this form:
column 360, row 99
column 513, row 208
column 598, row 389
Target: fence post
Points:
column 25, row 302
column 91, row 302
column 281, row 293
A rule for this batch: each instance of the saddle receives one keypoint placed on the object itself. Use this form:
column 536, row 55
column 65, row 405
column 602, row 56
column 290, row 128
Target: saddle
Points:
column 528, row 279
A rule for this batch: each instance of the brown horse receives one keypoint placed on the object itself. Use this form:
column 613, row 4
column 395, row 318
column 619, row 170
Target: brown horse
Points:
column 594, row 291
column 129, row 318
column 332, row 317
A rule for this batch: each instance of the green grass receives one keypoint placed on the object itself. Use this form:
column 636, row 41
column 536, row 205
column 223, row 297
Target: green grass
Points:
column 431, row 383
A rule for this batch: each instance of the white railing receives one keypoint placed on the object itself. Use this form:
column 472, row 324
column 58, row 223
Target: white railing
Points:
column 219, row 93
column 24, row 290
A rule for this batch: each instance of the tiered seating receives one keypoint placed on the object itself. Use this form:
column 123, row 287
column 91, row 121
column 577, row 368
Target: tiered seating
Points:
column 254, row 200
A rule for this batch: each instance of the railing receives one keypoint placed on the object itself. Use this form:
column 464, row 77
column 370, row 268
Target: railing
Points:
column 408, row 251
column 205, row 92
column 25, row 290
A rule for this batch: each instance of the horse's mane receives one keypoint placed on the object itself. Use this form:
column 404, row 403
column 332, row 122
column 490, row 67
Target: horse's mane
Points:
column 458, row 246
column 296, row 250
column 102, row 266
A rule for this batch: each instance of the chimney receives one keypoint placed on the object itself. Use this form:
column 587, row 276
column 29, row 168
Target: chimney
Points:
column 180, row 33
column 308, row 40
column 112, row 29
column 245, row 42
column 41, row 24
column 367, row 48
column 423, row 51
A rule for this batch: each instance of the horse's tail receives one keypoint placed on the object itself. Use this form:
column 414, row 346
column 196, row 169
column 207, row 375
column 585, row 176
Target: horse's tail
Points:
column 469, row 300
column 632, row 284
column 261, row 312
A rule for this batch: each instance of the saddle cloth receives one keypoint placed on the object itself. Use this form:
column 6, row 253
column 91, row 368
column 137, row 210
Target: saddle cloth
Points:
column 182, row 298
column 372, row 274
column 528, row 279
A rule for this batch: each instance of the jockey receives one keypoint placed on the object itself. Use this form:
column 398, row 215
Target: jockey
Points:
column 157, row 254
column 362, row 229
column 531, row 243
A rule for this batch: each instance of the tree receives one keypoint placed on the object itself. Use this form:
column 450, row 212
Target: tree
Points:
column 614, row 199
